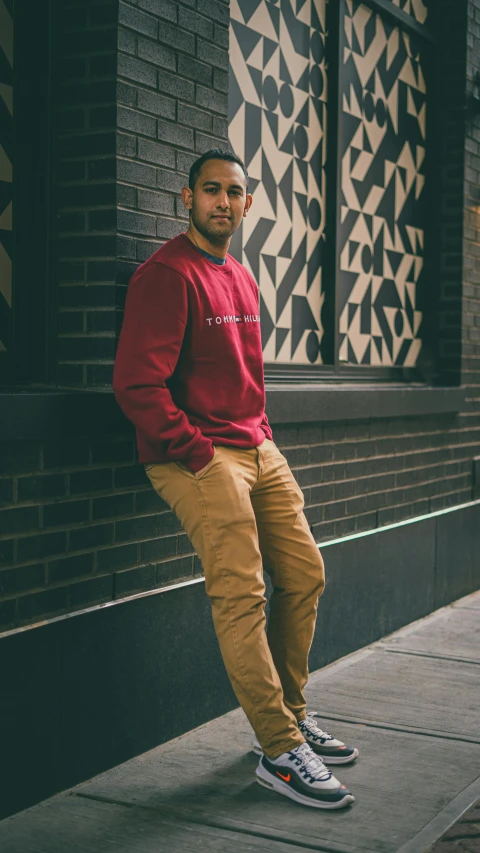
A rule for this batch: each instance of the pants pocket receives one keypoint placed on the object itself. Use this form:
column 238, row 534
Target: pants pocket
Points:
column 199, row 474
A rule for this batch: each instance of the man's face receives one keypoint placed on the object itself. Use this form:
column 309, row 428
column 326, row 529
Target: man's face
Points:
column 219, row 200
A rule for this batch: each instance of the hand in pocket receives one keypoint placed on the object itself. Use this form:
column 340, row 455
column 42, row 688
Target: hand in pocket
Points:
column 204, row 470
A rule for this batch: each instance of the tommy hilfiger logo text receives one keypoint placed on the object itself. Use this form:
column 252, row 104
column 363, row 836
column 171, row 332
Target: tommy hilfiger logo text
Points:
column 234, row 318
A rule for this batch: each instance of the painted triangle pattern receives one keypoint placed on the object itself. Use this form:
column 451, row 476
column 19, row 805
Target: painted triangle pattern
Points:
column 6, row 170
column 277, row 122
column 382, row 191
column 417, row 8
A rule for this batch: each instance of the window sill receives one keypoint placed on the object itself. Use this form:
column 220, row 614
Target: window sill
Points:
column 48, row 413
column 343, row 402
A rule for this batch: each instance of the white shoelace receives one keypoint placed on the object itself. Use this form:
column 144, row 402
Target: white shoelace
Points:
column 309, row 763
column 314, row 729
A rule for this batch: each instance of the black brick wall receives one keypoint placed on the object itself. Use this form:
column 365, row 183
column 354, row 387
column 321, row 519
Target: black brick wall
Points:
column 80, row 525
column 471, row 231
column 80, row 522
column 448, row 130
column 84, row 117
column 139, row 89
column 172, row 96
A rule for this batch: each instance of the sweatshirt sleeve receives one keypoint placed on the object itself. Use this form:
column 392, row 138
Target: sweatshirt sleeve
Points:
column 156, row 311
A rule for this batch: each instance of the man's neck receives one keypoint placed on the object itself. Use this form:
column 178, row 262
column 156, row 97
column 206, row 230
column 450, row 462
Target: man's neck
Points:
column 219, row 251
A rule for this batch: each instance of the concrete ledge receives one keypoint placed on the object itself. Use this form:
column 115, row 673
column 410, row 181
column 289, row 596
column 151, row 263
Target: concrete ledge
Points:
column 305, row 403
column 84, row 692
column 45, row 413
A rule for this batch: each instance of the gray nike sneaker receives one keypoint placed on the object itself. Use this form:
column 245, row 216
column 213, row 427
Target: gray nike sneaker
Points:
column 302, row 776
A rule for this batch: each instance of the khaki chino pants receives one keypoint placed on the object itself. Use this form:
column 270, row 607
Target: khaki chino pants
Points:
column 243, row 513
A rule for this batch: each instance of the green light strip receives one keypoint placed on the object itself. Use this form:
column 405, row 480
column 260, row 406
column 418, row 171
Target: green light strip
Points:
column 397, row 524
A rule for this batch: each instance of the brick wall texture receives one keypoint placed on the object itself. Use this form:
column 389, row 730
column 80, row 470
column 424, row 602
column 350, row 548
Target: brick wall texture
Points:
column 84, row 58
column 470, row 420
column 141, row 90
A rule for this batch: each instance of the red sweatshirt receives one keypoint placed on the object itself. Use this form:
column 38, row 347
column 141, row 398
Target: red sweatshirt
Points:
column 189, row 365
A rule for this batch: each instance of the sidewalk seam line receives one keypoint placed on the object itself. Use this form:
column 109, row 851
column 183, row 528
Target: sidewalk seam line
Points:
column 228, row 824
column 379, row 724
column 421, row 654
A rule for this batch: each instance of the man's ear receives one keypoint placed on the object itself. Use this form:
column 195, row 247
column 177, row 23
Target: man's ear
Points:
column 248, row 203
column 187, row 196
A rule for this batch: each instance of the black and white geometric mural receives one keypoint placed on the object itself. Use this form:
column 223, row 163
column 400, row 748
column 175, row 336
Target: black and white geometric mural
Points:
column 383, row 127
column 277, row 122
column 6, row 169
column 416, row 8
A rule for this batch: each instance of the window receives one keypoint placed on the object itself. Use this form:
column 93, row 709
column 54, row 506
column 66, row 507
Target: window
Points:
column 381, row 226
column 328, row 109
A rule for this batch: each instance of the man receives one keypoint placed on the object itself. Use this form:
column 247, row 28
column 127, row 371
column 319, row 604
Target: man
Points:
column 189, row 375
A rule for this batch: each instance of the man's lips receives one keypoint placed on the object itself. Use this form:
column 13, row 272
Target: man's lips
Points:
column 220, row 216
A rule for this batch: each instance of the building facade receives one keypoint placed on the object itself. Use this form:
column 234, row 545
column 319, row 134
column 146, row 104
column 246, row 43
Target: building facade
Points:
column 359, row 123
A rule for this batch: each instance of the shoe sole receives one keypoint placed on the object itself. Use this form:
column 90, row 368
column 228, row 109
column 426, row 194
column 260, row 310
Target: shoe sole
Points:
column 273, row 784
column 327, row 759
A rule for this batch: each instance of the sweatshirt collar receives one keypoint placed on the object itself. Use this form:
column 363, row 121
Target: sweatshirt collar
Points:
column 221, row 267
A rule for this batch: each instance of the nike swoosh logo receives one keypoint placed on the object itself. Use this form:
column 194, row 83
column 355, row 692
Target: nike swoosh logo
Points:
column 287, row 778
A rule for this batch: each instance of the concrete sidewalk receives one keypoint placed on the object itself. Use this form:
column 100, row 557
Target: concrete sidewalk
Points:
column 411, row 703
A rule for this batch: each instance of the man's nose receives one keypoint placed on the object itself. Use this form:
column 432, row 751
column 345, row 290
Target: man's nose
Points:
column 224, row 201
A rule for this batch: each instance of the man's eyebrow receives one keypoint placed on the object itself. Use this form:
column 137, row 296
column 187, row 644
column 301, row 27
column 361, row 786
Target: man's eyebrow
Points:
column 217, row 184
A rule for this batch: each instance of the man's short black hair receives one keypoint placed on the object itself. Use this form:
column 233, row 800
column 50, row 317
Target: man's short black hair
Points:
column 214, row 154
